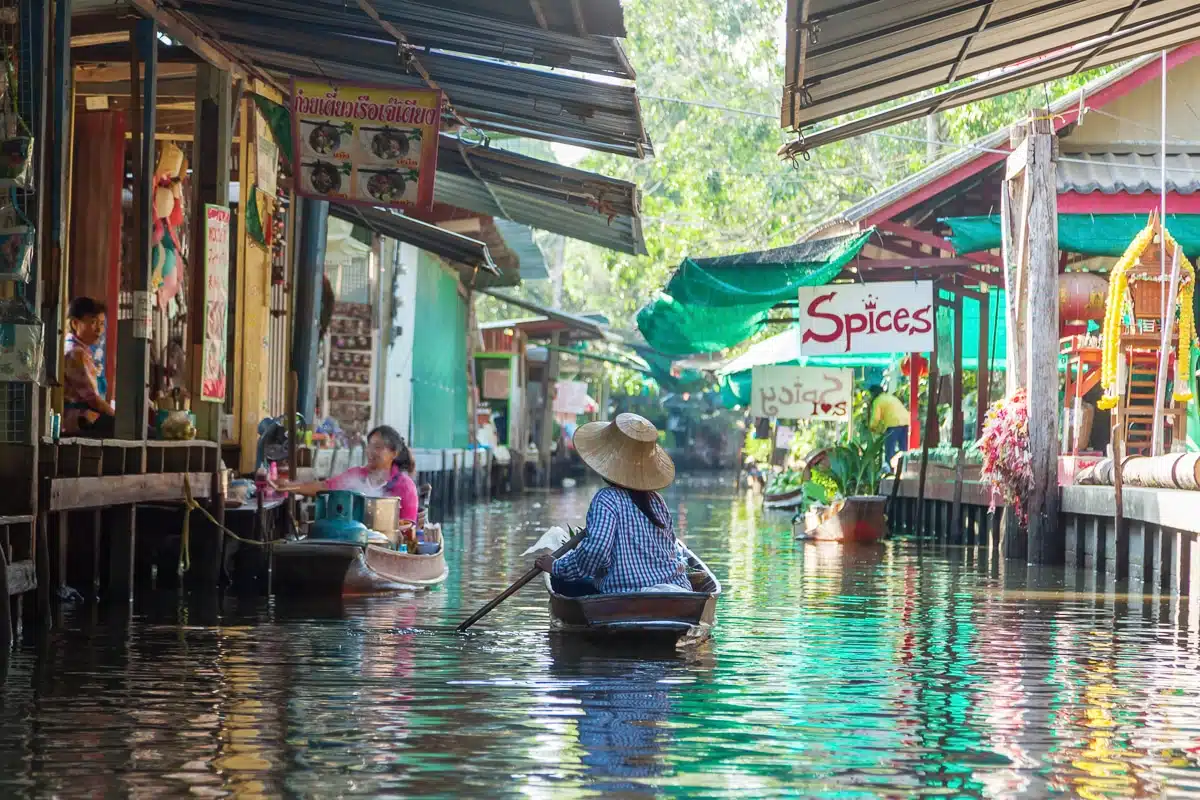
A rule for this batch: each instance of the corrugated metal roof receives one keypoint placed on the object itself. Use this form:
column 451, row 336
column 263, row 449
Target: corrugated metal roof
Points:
column 496, row 96
column 1133, row 173
column 577, row 204
column 948, row 164
column 447, row 244
column 519, row 239
column 590, row 327
column 489, row 32
column 844, row 57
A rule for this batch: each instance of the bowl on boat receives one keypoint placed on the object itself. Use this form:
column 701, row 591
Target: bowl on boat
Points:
column 428, row 548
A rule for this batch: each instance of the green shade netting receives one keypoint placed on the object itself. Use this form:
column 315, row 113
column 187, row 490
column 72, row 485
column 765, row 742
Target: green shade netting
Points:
column 714, row 303
column 783, row 349
column 1087, row 234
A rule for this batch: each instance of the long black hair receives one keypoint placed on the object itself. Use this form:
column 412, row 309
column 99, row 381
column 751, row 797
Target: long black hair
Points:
column 645, row 503
column 404, row 460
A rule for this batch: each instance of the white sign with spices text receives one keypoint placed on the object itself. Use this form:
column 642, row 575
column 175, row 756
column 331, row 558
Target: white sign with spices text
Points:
column 867, row 318
column 801, row 392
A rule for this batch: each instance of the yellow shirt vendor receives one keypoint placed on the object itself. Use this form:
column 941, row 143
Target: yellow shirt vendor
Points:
column 889, row 417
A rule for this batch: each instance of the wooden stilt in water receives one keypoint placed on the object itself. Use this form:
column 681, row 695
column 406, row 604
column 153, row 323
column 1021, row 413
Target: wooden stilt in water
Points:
column 42, row 555
column 6, row 621
column 121, row 522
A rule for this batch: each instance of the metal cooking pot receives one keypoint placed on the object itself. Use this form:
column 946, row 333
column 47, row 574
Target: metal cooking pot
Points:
column 382, row 514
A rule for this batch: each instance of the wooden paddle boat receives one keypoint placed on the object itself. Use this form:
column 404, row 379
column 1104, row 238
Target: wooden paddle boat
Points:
column 341, row 555
column 650, row 617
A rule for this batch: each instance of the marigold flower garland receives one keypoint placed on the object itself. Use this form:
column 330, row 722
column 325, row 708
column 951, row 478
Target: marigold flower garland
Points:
column 1118, row 283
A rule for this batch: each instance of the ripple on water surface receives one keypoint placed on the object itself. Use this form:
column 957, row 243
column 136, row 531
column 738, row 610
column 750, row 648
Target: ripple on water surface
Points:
column 888, row 671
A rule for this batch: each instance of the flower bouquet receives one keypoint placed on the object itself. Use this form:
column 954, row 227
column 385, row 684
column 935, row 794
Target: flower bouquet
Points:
column 1005, row 446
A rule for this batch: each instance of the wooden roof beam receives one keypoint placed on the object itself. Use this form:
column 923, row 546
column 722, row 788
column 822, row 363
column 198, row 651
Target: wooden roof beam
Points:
column 539, row 14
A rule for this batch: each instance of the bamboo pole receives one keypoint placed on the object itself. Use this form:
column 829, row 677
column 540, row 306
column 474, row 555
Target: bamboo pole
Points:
column 1168, row 326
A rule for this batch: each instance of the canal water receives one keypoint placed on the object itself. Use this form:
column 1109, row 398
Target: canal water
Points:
column 893, row 671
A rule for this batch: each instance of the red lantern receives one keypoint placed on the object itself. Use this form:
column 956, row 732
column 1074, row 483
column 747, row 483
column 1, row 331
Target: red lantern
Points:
column 1082, row 296
column 922, row 367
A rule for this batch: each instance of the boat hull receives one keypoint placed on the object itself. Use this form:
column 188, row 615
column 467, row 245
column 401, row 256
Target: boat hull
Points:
column 321, row 568
column 682, row 618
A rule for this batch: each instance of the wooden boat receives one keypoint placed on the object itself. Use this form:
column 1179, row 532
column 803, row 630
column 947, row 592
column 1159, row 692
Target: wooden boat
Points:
column 681, row 618
column 790, row 499
column 323, row 567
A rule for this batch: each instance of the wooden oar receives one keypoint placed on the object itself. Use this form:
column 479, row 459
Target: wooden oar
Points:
column 524, row 579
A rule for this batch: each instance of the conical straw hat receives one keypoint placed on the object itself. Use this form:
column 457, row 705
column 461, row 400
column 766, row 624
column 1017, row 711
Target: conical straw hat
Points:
column 625, row 452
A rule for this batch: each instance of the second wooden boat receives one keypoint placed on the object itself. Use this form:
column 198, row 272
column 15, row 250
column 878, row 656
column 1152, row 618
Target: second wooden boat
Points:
column 318, row 567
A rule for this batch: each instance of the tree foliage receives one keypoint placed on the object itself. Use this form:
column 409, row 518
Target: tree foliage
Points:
column 715, row 185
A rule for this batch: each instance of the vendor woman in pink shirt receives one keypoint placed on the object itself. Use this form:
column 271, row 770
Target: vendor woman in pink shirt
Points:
column 388, row 473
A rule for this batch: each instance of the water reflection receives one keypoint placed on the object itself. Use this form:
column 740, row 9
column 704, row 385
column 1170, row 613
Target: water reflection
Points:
column 897, row 670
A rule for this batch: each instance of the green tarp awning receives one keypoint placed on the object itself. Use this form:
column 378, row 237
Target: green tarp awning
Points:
column 1087, row 234
column 713, row 303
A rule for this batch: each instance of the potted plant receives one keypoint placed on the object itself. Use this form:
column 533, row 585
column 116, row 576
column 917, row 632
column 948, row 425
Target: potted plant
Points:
column 842, row 501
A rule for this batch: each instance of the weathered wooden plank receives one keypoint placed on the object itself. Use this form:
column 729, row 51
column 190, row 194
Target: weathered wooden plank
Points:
column 76, row 493
column 22, row 577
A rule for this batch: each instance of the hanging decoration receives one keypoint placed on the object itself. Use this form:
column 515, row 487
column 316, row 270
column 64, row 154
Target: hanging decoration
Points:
column 1118, row 285
column 922, row 367
column 1007, row 466
column 259, row 215
column 165, row 259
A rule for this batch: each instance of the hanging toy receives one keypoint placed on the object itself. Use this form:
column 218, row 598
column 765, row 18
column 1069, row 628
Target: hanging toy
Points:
column 168, row 218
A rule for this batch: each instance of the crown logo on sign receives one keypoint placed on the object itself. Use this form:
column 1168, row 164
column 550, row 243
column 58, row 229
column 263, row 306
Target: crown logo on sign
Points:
column 870, row 303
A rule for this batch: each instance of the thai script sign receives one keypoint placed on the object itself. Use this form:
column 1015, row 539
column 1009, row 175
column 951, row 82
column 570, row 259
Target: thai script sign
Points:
column 216, row 302
column 366, row 144
column 801, row 392
column 570, row 397
column 867, row 318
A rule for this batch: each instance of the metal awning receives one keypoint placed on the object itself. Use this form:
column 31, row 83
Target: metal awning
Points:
column 578, row 204
column 1131, row 173
column 446, row 244
column 490, row 32
column 548, row 320
column 845, row 57
column 327, row 40
column 519, row 239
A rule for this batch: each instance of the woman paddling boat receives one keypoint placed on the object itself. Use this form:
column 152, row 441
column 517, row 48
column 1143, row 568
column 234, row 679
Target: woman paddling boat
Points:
column 629, row 574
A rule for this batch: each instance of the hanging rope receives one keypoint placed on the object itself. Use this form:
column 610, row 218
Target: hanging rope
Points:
column 190, row 505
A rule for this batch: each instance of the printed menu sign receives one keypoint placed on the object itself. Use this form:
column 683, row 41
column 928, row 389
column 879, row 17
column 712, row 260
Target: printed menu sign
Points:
column 216, row 302
column 366, row 144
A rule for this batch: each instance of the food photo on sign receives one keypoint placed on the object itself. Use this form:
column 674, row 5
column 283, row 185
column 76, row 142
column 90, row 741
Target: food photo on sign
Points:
column 860, row 318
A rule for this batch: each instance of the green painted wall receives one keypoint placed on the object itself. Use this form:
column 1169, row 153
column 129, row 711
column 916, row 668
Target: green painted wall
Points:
column 439, row 404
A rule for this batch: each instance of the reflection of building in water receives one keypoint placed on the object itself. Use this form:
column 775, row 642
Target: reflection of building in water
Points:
column 251, row 713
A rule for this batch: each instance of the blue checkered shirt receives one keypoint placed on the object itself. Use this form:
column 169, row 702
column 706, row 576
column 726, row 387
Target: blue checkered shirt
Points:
column 623, row 551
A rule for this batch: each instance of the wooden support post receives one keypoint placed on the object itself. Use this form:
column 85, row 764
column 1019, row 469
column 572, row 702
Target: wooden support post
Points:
column 930, row 428
column 956, row 524
column 6, row 617
column 211, row 148
column 956, row 402
column 983, row 375
column 546, row 439
column 42, row 562
column 133, row 336
column 1041, row 340
column 58, row 156
column 121, row 523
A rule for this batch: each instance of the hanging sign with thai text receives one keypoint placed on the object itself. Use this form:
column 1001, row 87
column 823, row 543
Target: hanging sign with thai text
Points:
column 366, row 144
column 801, row 392
column 867, row 318
column 216, row 302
